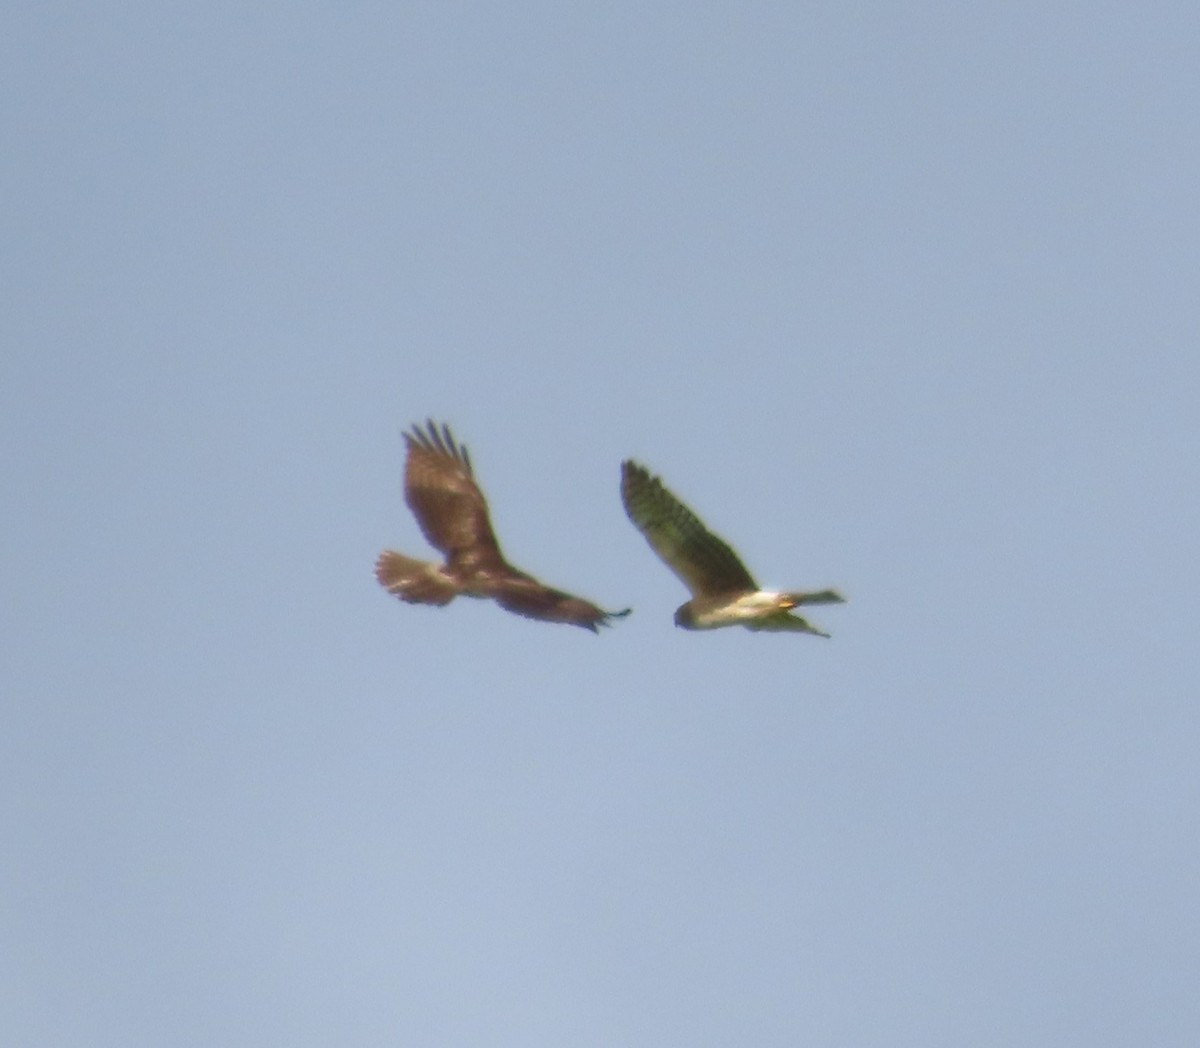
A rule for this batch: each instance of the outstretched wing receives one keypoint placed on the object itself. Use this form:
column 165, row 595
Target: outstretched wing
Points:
column 440, row 489
column 784, row 620
column 519, row 593
column 703, row 562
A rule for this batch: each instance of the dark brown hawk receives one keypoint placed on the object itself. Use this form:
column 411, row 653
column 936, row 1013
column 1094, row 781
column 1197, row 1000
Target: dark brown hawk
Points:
column 440, row 489
column 723, row 592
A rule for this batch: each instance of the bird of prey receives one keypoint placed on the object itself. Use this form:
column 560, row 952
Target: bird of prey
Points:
column 440, row 489
column 723, row 592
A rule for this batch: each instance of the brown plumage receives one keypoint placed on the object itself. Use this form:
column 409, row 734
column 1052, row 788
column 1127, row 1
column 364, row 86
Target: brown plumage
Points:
column 440, row 489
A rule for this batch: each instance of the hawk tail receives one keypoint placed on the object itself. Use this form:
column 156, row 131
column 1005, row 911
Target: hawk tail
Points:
column 822, row 597
column 414, row 581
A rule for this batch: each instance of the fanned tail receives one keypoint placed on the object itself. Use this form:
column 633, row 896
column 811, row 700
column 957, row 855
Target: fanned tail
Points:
column 414, row 581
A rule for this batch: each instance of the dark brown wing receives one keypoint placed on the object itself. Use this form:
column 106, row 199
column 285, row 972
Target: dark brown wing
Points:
column 517, row 592
column 440, row 489
column 703, row 562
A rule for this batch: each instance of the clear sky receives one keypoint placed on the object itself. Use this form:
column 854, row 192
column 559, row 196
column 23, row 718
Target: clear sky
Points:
column 901, row 298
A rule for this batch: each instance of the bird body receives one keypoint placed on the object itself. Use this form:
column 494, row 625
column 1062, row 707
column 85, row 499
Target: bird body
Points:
column 440, row 489
column 756, row 610
column 724, row 592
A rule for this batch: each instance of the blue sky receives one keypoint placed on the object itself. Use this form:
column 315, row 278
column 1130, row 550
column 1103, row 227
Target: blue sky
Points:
column 900, row 298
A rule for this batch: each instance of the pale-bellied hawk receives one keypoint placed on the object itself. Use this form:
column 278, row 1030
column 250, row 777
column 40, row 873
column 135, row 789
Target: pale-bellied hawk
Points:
column 723, row 592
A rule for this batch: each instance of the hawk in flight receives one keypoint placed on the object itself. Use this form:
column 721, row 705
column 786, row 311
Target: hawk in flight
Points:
column 723, row 592
column 440, row 489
